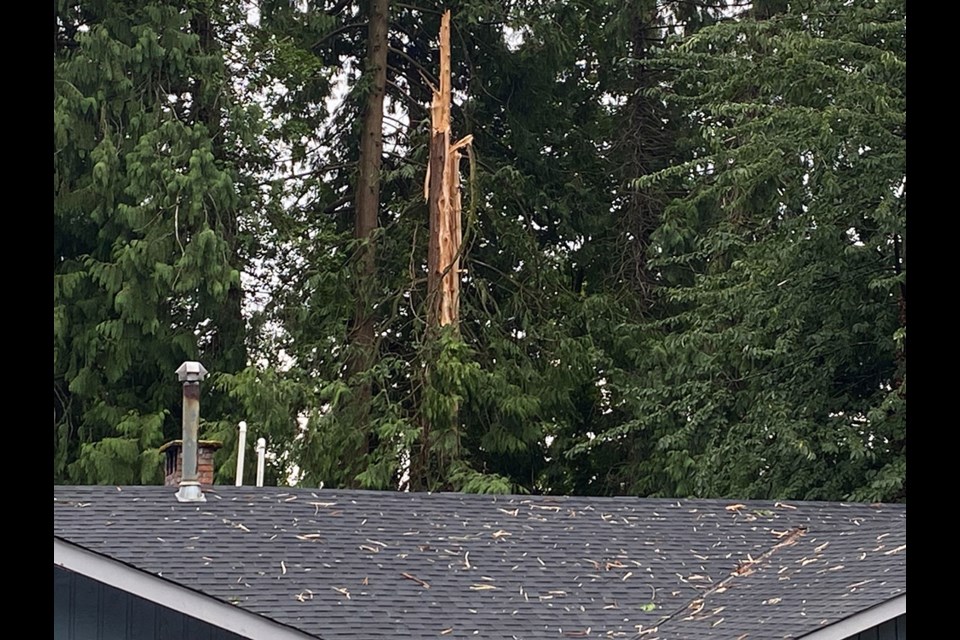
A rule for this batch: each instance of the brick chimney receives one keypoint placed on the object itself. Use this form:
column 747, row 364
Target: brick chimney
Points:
column 173, row 462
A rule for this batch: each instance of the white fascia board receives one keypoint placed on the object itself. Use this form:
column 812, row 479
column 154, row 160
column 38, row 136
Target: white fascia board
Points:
column 171, row 595
column 858, row 622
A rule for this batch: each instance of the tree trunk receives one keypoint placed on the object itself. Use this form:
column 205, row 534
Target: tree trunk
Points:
column 646, row 147
column 442, row 192
column 443, row 199
column 362, row 332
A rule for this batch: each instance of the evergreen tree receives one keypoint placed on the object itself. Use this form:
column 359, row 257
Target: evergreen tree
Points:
column 778, row 369
column 519, row 205
column 149, row 194
column 543, row 286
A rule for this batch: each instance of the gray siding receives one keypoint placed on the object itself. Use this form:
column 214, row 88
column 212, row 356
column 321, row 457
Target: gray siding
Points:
column 895, row 629
column 84, row 609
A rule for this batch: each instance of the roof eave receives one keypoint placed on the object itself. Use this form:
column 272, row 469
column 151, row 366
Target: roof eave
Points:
column 861, row 621
column 170, row 594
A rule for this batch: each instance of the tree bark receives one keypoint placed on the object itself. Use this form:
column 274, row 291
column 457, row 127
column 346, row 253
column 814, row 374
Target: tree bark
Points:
column 362, row 331
column 646, row 145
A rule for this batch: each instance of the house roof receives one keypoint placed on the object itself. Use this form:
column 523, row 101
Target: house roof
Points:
column 341, row 565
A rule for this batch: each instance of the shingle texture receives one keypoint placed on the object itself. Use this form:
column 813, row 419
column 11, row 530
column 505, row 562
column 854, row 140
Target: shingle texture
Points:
column 368, row 565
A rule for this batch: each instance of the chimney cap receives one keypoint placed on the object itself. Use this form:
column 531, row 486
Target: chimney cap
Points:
column 191, row 372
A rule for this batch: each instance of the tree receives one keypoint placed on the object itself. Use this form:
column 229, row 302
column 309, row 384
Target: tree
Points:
column 149, row 194
column 542, row 287
column 314, row 301
column 778, row 370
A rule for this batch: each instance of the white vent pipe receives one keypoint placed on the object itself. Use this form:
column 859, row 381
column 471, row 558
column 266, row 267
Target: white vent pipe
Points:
column 261, row 453
column 241, row 447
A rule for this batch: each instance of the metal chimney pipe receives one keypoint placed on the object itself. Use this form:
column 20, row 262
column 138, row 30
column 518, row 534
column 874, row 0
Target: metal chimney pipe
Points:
column 261, row 454
column 241, row 446
column 190, row 374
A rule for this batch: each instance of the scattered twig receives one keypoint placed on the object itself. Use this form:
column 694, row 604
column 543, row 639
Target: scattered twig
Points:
column 422, row 583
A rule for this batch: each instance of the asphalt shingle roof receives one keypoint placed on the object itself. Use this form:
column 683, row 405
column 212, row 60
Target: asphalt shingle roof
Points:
column 351, row 565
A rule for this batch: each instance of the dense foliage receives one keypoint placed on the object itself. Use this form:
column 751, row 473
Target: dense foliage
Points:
column 684, row 264
column 777, row 367
column 151, row 191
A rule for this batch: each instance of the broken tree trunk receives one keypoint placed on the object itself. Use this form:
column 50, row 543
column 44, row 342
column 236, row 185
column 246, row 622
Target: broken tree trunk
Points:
column 442, row 191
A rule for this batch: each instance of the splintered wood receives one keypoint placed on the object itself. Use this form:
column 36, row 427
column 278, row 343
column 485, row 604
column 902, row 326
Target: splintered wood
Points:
column 442, row 192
